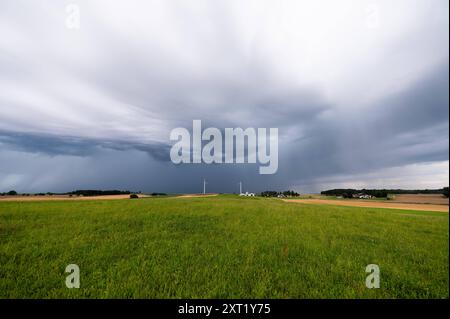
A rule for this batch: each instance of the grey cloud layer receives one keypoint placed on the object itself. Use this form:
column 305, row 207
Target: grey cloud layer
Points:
column 347, row 99
column 74, row 146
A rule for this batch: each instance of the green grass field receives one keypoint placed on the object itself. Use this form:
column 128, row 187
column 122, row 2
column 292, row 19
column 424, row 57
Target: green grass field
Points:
column 219, row 247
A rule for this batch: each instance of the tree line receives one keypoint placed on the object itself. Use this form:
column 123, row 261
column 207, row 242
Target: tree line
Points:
column 80, row 192
column 95, row 192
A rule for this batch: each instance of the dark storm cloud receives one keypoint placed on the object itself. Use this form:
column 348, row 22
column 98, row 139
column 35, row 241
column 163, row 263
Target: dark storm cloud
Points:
column 423, row 105
column 407, row 127
column 75, row 146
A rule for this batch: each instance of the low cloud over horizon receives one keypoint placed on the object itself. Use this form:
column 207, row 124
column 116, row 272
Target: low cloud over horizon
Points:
column 357, row 89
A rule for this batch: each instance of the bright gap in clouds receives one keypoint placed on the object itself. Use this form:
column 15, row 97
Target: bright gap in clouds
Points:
column 414, row 176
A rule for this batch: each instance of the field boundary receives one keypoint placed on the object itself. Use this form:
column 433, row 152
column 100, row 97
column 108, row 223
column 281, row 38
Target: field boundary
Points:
column 195, row 195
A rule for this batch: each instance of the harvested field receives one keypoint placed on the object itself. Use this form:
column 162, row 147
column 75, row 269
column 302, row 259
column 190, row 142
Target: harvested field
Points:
column 436, row 199
column 374, row 204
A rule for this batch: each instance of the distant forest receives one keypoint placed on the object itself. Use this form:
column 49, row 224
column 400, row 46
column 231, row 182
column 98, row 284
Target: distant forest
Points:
column 95, row 192
column 383, row 192
column 80, row 192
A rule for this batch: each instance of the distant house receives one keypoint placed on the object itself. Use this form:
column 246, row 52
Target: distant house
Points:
column 362, row 196
column 247, row 194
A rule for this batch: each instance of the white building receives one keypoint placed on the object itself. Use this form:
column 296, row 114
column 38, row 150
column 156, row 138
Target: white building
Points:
column 247, row 194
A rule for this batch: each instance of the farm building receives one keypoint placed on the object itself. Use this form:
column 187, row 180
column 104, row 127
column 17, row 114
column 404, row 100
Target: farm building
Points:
column 247, row 194
column 362, row 196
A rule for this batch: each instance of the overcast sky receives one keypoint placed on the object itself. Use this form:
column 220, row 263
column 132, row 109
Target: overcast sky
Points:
column 358, row 90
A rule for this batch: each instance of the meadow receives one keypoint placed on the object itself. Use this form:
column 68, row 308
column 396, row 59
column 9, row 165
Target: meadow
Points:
column 219, row 247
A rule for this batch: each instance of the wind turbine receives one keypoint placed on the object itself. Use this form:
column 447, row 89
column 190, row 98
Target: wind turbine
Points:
column 204, row 186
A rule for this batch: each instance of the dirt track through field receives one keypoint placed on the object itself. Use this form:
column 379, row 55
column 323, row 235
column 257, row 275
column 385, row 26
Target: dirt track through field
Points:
column 372, row 204
column 195, row 195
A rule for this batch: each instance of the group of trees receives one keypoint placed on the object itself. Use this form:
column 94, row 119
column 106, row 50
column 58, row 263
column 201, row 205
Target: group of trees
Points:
column 275, row 194
column 10, row 193
column 14, row 193
column 95, row 192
